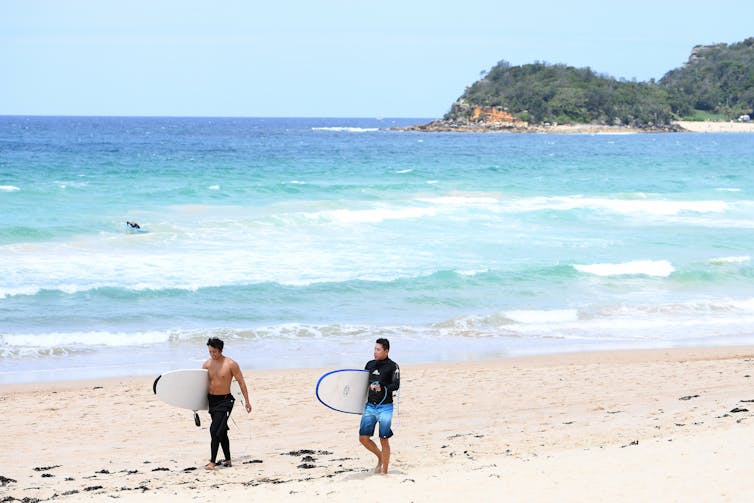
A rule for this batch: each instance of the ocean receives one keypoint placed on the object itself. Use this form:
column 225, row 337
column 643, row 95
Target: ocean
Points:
column 301, row 241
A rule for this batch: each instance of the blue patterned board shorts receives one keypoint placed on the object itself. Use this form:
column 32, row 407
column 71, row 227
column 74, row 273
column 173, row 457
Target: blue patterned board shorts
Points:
column 374, row 414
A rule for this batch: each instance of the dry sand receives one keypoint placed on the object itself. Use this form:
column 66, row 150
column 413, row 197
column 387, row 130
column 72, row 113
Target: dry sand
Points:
column 693, row 127
column 660, row 425
column 717, row 127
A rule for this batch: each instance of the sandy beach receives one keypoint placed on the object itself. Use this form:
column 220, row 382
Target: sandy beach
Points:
column 688, row 126
column 685, row 126
column 655, row 425
column 717, row 127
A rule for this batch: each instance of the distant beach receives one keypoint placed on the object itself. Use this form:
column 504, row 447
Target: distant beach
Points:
column 657, row 425
column 717, row 127
column 678, row 126
column 690, row 126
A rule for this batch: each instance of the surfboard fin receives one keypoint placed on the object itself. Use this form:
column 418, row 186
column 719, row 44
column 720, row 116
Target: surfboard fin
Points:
column 197, row 421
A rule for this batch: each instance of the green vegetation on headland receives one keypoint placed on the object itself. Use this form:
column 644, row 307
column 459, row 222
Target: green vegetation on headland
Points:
column 716, row 83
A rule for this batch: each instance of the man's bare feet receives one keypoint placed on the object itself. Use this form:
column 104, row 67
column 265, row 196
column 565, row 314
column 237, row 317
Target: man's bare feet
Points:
column 209, row 466
column 378, row 468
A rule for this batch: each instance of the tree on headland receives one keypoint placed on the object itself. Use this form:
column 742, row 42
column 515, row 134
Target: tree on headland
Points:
column 717, row 79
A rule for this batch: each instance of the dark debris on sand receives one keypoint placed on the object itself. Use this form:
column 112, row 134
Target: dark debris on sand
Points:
column 5, row 481
column 45, row 468
column 459, row 435
column 143, row 488
column 304, row 452
column 688, row 397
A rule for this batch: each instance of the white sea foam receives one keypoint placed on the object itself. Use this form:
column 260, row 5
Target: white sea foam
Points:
column 742, row 304
column 618, row 324
column 626, row 204
column 659, row 268
column 36, row 341
column 8, row 188
column 622, row 206
column 461, row 200
column 64, row 184
column 159, row 262
column 21, row 290
column 543, row 316
column 473, row 272
column 214, row 187
column 730, row 260
column 373, row 215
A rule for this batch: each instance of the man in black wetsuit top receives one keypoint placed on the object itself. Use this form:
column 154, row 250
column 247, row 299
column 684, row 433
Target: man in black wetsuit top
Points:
column 384, row 379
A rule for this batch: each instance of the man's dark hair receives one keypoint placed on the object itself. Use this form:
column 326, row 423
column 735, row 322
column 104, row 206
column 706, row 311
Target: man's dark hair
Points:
column 384, row 343
column 216, row 343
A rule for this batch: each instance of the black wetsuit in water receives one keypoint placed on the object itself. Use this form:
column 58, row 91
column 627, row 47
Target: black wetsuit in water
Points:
column 220, row 407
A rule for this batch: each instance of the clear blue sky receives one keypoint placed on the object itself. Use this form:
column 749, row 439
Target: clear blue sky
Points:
column 325, row 58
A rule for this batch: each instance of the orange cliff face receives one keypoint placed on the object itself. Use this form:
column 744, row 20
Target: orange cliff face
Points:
column 495, row 115
column 465, row 117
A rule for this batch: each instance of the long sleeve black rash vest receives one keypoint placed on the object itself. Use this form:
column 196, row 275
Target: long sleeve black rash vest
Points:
column 388, row 374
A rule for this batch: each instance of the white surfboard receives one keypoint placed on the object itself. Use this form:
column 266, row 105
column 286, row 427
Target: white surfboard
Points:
column 344, row 390
column 188, row 388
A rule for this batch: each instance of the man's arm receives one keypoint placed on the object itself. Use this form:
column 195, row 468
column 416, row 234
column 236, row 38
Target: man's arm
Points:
column 236, row 371
column 395, row 381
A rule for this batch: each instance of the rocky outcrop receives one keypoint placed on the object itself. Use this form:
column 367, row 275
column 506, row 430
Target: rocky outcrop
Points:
column 446, row 126
column 464, row 117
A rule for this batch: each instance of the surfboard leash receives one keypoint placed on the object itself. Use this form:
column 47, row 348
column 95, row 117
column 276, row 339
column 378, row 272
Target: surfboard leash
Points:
column 398, row 408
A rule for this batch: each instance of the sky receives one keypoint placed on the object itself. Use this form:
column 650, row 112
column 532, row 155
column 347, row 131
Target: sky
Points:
column 325, row 58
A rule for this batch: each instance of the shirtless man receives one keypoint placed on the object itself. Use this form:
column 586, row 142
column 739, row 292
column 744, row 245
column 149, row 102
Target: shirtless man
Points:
column 221, row 370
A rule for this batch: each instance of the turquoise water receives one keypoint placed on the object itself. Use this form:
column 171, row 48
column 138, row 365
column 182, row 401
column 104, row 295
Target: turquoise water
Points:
column 300, row 241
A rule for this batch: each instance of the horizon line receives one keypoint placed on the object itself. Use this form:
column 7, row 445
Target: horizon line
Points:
column 218, row 116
